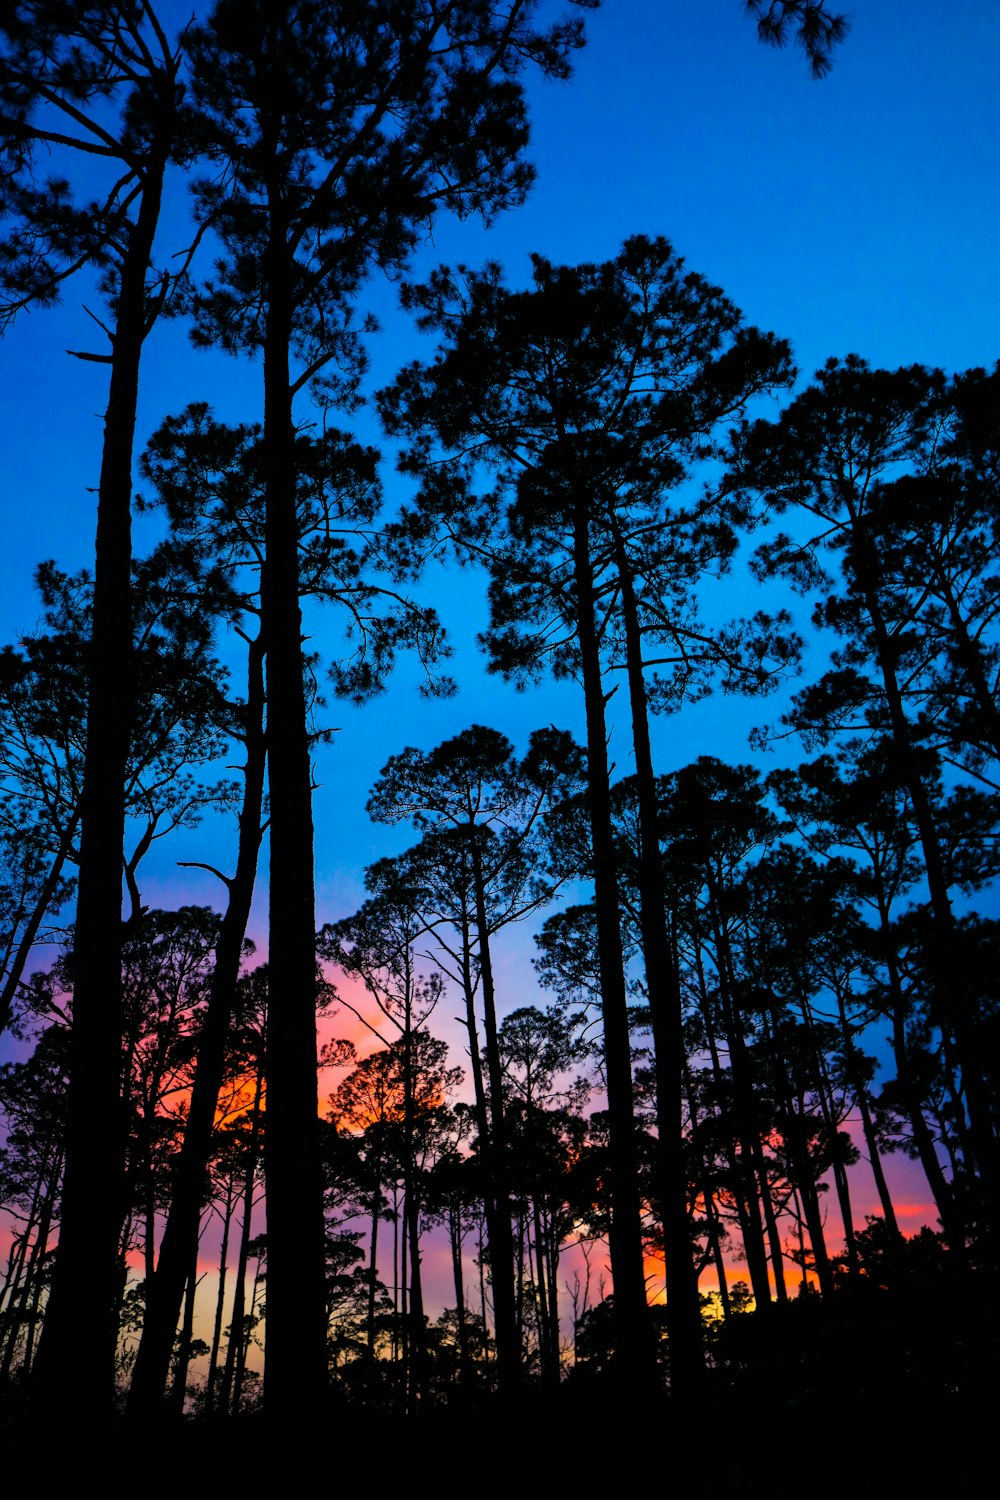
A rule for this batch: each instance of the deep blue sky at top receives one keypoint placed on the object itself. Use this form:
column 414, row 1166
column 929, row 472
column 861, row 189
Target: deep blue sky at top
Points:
column 857, row 213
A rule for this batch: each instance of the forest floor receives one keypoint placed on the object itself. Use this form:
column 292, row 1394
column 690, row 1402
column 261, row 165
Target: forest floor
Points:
column 837, row 1398
column 762, row 1445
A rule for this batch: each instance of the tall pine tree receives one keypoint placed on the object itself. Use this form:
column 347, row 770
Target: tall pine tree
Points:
column 344, row 126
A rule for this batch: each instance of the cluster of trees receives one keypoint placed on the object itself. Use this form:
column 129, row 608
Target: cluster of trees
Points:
column 589, row 444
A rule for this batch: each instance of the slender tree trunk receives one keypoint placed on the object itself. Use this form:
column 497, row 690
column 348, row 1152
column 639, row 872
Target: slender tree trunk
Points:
column 944, row 1202
column 824, row 1094
column 236, row 1322
column 771, row 1229
column 663, row 989
column 633, row 1336
column 843, row 1187
column 861, row 1095
column 801, row 1236
column 537, row 1252
column 13, row 1297
column 711, row 1211
column 36, row 1271
column 243, row 1339
column 190, row 1173
column 817, row 1236
column 791, row 1105
column 498, row 1231
column 956, row 1093
column 947, row 1136
column 875, row 1160
column 80, row 1321
column 750, row 1169
column 396, row 1321
column 373, row 1258
column 546, row 1293
column 499, row 1227
column 145, row 1131
column 220, row 1297
column 519, row 1278
column 11, row 1301
column 740, row 1174
column 482, row 1289
column 178, row 1387
column 25, row 1286
column 31, row 1315
column 720, row 1268
column 805, row 1185
column 405, row 1342
column 416, row 1342
column 295, row 1368
column 462, row 1328
column 552, row 1259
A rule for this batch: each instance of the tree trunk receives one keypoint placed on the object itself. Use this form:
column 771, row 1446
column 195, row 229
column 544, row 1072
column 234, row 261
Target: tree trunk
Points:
column 416, row 1342
column 36, row 1277
column 861, row 1095
column 498, row 1231
column 749, row 1171
column 499, row 1225
column 944, row 1201
column 462, row 1329
column 373, row 1258
column 234, row 1348
column 178, row 1388
column 295, row 1368
column 740, row 1176
column 687, row 1358
column 220, row 1297
column 824, row 1093
column 633, row 1337
column 711, row 1212
column 771, row 1228
column 190, row 1173
column 243, row 1338
column 804, row 1182
column 17, row 1269
column 552, row 1262
column 81, row 1311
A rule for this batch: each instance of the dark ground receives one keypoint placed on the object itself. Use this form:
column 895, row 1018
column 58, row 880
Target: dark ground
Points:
column 866, row 1391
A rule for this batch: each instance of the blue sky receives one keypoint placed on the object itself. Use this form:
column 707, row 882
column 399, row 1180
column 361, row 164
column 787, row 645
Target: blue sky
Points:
column 857, row 213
